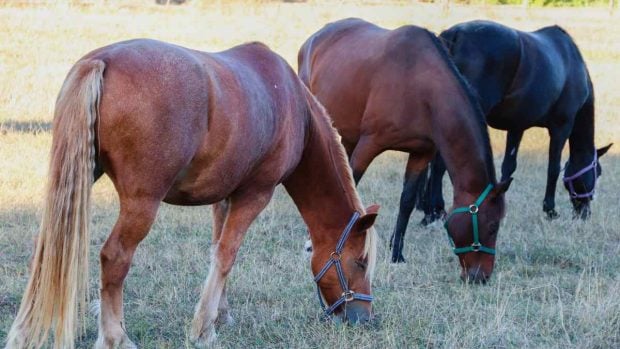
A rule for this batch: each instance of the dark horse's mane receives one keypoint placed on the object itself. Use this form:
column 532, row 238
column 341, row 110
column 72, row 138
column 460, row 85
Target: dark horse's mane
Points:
column 473, row 101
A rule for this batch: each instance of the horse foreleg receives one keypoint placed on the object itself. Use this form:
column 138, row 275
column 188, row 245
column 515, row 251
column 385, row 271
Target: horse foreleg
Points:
column 416, row 166
column 133, row 224
column 363, row 154
column 242, row 210
column 509, row 164
column 556, row 144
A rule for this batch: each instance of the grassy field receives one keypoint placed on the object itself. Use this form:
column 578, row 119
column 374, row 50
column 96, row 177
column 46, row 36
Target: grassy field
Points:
column 556, row 284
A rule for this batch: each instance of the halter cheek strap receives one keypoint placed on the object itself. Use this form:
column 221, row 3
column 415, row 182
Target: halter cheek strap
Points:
column 472, row 209
column 348, row 295
column 569, row 180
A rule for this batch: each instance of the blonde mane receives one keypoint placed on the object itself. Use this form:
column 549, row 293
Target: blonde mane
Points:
column 341, row 162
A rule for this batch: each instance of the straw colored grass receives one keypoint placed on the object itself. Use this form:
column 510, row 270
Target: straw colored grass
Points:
column 556, row 283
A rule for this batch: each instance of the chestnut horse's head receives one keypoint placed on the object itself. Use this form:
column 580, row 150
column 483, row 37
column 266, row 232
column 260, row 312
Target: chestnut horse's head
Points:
column 473, row 228
column 342, row 262
column 581, row 182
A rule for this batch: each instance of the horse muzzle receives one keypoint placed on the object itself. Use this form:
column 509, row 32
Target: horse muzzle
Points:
column 355, row 312
column 475, row 275
column 581, row 208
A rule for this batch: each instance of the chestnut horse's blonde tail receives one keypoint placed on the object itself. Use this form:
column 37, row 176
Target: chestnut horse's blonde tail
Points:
column 57, row 289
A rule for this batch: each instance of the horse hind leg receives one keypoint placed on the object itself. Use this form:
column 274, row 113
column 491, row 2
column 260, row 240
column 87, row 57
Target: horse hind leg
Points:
column 243, row 209
column 133, row 224
column 220, row 212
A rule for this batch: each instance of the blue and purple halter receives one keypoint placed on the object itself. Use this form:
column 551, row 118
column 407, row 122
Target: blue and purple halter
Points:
column 569, row 180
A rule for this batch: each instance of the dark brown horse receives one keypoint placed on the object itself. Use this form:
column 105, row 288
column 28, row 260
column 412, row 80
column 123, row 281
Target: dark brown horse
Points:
column 398, row 90
column 171, row 124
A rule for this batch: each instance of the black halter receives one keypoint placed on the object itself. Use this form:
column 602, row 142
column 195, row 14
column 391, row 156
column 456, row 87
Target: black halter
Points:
column 334, row 260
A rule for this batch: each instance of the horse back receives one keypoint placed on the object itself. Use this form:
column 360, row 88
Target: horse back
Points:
column 551, row 81
column 196, row 125
column 487, row 54
column 370, row 78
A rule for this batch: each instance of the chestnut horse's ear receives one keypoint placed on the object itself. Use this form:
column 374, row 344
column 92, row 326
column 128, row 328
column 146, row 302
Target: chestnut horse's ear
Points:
column 501, row 187
column 601, row 151
column 366, row 221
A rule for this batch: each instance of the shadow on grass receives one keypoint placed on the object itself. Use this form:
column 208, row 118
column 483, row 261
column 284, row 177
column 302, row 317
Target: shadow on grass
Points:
column 33, row 127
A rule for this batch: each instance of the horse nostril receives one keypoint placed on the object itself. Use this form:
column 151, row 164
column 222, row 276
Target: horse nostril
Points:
column 475, row 276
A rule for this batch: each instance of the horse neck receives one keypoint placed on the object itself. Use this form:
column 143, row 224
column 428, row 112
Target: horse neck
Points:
column 466, row 152
column 460, row 130
column 581, row 139
column 462, row 139
column 321, row 185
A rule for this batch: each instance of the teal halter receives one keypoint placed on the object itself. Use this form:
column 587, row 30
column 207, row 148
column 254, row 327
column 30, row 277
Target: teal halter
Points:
column 473, row 211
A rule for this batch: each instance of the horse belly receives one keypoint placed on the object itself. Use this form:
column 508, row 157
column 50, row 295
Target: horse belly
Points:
column 193, row 192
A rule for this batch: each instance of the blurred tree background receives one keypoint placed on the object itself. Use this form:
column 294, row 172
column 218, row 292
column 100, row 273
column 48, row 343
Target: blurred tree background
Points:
column 611, row 4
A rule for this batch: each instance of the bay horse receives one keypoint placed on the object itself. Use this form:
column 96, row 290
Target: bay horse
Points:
column 524, row 80
column 167, row 123
column 398, row 90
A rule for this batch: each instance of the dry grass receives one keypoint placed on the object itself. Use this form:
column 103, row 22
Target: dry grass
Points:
column 556, row 283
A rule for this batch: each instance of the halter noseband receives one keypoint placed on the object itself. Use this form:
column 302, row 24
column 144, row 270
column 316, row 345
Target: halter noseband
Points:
column 348, row 295
column 472, row 209
column 569, row 180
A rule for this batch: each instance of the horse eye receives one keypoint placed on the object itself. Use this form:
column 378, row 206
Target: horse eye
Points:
column 361, row 264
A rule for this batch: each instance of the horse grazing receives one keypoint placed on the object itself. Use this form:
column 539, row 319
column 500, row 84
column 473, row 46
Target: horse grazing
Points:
column 523, row 80
column 171, row 124
column 398, row 90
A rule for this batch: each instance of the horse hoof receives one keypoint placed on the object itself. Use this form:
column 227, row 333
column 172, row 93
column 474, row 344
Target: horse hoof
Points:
column 123, row 343
column 308, row 246
column 206, row 339
column 432, row 218
column 428, row 219
column 399, row 259
column 552, row 214
column 224, row 319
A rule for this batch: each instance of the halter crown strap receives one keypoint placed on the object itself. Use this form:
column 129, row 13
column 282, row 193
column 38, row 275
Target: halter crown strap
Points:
column 348, row 295
column 472, row 209
column 569, row 180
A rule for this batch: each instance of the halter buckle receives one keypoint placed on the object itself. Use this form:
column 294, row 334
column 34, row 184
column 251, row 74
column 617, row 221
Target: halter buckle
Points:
column 348, row 296
column 335, row 256
column 476, row 246
column 473, row 209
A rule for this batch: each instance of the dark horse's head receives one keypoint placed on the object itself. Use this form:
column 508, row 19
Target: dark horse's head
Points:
column 580, row 180
column 472, row 227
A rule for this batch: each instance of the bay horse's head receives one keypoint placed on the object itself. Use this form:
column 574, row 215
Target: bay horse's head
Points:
column 581, row 182
column 343, row 260
column 473, row 228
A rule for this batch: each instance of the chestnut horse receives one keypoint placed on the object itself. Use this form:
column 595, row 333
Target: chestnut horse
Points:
column 398, row 90
column 523, row 80
column 171, row 124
